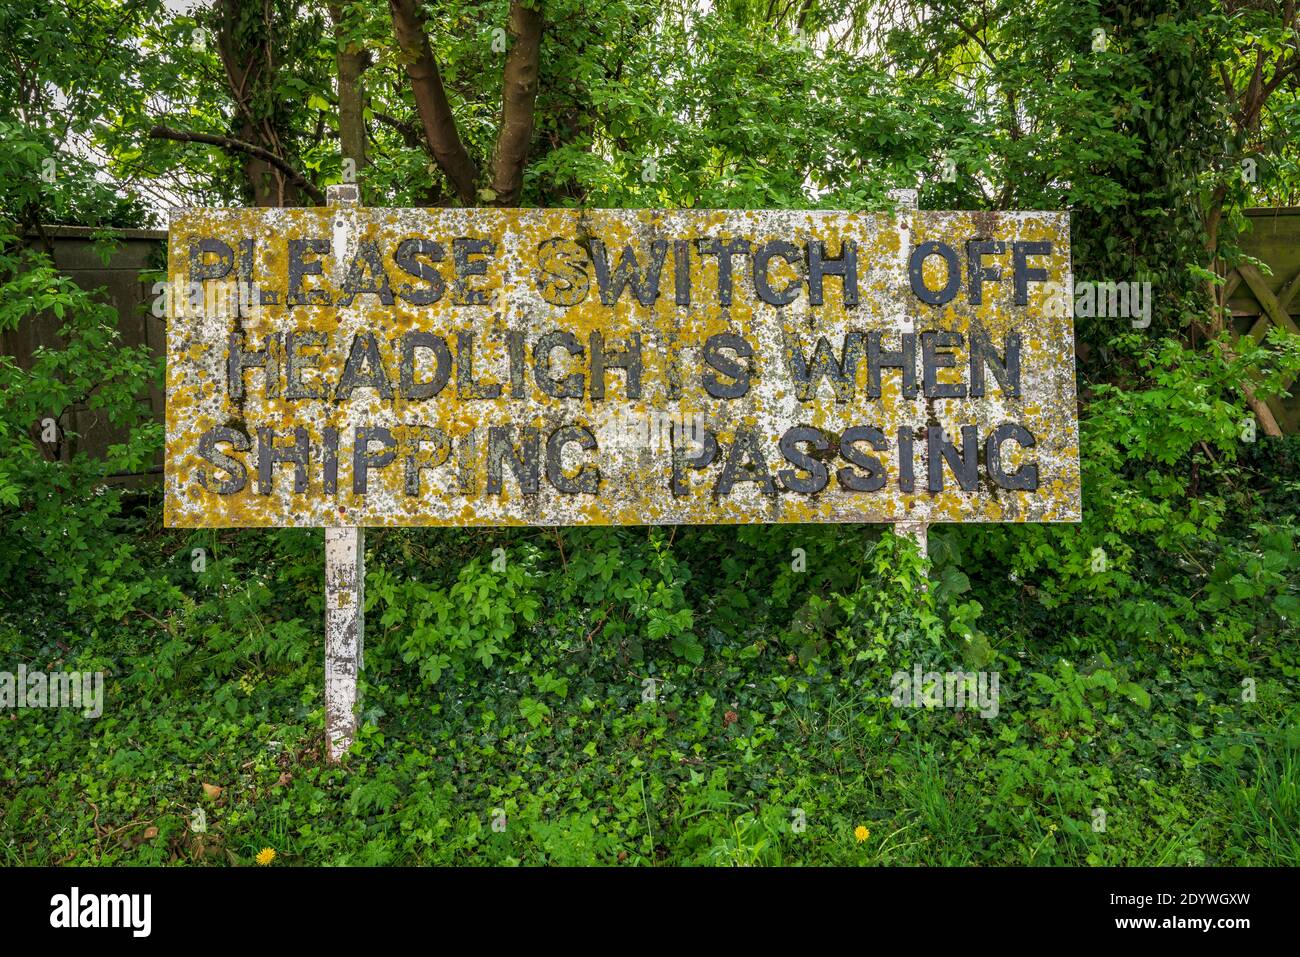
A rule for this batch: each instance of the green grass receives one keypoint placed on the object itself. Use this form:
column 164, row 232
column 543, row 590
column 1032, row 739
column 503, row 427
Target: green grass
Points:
column 772, row 748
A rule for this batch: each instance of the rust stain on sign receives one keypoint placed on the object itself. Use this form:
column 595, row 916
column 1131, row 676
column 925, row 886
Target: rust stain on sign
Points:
column 359, row 366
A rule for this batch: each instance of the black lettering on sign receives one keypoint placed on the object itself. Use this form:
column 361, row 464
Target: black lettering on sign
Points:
column 470, row 257
column 932, row 360
column 715, row 356
column 300, row 268
column 569, row 387
column 295, row 361
column 846, row 267
column 515, row 349
column 906, row 460
column 629, row 272
column 363, row 460
column 903, row 359
column 366, row 274
column 842, row 372
column 682, row 460
column 269, row 455
column 916, row 273
column 408, row 260
column 745, row 462
column 587, row 479
column 562, row 274
column 1005, row 368
column 232, row 466
column 682, row 272
column 201, row 269
column 1024, row 478
column 524, row 463
column 330, row 437
column 775, row 409
column 762, row 283
column 407, row 384
column 363, row 369
column 964, row 462
column 1023, row 273
column 466, row 387
column 724, row 252
column 873, row 478
column 818, row 473
column 978, row 273
column 628, row 359
column 417, row 461
column 238, row 358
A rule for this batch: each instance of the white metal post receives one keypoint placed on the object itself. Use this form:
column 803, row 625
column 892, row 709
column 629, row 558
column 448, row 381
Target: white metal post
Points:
column 905, row 201
column 345, row 594
column 345, row 590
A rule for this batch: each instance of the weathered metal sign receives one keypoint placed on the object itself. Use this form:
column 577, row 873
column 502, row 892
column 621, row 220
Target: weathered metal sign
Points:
column 359, row 366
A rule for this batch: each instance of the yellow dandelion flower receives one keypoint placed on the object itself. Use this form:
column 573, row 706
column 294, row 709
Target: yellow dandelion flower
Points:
column 861, row 833
column 265, row 856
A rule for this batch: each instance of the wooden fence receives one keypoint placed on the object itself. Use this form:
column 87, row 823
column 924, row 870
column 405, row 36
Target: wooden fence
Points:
column 1259, row 302
column 123, row 284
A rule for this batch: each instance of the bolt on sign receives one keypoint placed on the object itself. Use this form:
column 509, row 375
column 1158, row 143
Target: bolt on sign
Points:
column 358, row 366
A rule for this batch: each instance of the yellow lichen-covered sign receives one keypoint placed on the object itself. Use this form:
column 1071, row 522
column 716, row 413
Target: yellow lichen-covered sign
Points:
column 357, row 366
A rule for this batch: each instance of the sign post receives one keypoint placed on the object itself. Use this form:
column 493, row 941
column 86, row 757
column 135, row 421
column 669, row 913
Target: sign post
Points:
column 491, row 367
column 905, row 200
column 345, row 577
column 345, row 593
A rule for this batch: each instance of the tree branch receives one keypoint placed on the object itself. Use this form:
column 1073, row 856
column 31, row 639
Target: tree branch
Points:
column 979, row 40
column 410, row 135
column 518, row 99
column 431, row 101
column 229, row 143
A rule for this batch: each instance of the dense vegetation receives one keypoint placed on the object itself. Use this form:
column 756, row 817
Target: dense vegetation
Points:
column 691, row 695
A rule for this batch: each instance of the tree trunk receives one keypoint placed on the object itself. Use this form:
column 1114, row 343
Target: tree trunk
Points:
column 431, row 101
column 351, row 63
column 244, row 44
column 518, row 102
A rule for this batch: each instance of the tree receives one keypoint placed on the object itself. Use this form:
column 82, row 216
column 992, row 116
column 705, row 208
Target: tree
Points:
column 518, row 95
column 258, row 44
